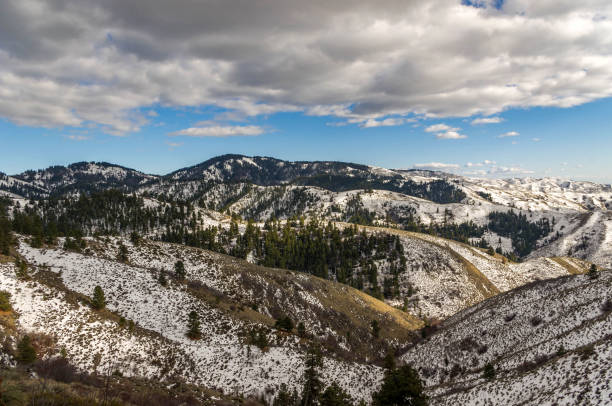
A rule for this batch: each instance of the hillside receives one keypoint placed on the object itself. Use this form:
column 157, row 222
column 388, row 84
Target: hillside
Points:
column 549, row 343
column 235, row 301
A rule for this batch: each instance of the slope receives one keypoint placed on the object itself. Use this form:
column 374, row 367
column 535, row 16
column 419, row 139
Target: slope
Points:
column 549, row 343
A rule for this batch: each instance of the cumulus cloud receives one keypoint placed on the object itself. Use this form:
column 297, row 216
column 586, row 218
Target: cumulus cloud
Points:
column 77, row 63
column 450, row 135
column 220, row 131
column 487, row 120
column 445, row 132
column 388, row 122
column 513, row 170
column 436, row 166
column 436, row 128
column 508, row 134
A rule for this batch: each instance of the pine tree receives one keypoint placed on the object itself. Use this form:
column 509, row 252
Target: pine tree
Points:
column 193, row 326
column 162, row 279
column 179, row 270
column 489, row 372
column 389, row 361
column 334, row 395
column 122, row 255
column 312, row 377
column 401, row 387
column 375, row 328
column 284, row 323
column 26, row 354
column 284, row 398
column 98, row 301
column 5, row 301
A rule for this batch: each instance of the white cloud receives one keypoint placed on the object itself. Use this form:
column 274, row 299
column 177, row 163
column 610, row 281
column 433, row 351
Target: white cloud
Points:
column 450, row 135
column 445, row 132
column 536, row 139
column 436, row 166
column 509, row 134
column 514, row 170
column 102, row 63
column 436, row 128
column 220, row 131
column 487, row 120
column 388, row 122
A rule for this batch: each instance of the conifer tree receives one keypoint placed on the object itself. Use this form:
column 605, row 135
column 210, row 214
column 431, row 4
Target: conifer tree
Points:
column 194, row 330
column 122, row 255
column 312, row 377
column 334, row 395
column 98, row 301
column 179, row 270
column 26, row 354
column 285, row 398
column 401, row 387
column 162, row 279
column 375, row 328
column 489, row 372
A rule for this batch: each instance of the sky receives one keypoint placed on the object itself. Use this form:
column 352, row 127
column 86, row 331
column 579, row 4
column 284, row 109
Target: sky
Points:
column 487, row 88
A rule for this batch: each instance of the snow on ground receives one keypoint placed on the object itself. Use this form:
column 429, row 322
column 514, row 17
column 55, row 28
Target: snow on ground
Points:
column 549, row 342
column 220, row 360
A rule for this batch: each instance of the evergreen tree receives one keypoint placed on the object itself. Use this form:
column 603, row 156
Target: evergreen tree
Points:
column 284, row 323
column 593, row 271
column 26, row 354
column 122, row 254
column 401, row 387
column 22, row 269
column 98, row 301
column 179, row 270
column 194, row 330
column 5, row 301
column 334, row 395
column 489, row 372
column 312, row 377
column 135, row 238
column 162, row 279
column 389, row 361
column 375, row 328
column 284, row 398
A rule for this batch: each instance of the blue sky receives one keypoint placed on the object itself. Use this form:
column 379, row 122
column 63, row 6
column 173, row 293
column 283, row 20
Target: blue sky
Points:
column 480, row 88
column 568, row 142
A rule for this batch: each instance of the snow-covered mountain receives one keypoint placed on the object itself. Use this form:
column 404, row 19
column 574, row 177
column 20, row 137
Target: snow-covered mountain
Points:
column 263, row 188
column 85, row 176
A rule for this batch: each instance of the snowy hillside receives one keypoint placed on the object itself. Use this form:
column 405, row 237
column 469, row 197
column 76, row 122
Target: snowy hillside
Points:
column 548, row 342
column 449, row 276
column 225, row 293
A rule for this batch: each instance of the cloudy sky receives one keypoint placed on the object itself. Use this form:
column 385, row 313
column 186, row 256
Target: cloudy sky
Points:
column 479, row 87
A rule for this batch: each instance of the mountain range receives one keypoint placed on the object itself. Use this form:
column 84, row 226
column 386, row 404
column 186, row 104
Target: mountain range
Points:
column 494, row 290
